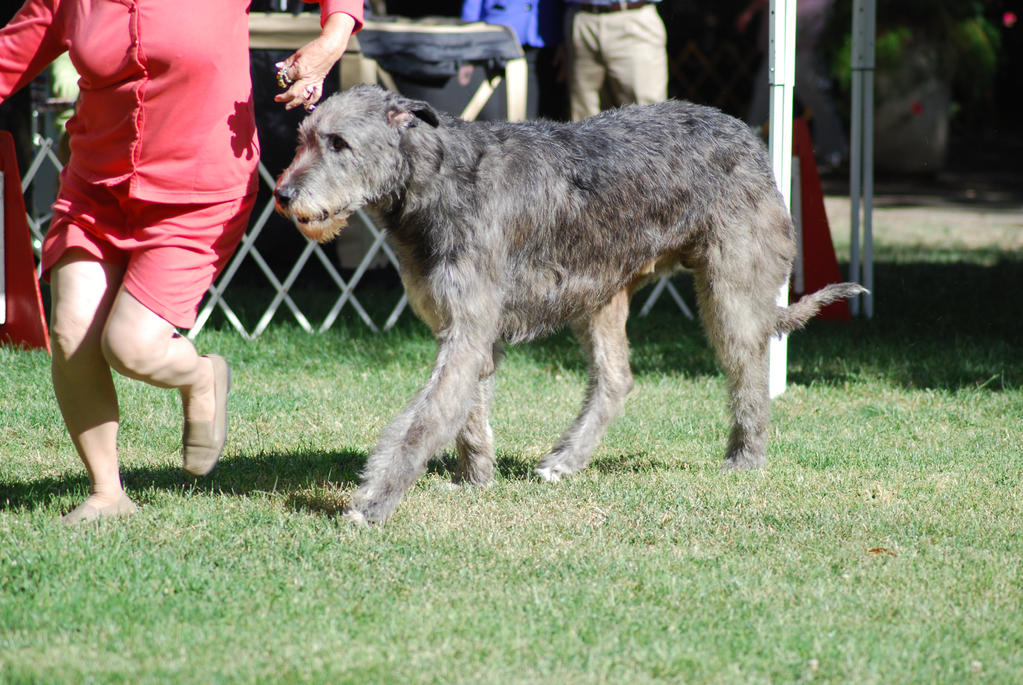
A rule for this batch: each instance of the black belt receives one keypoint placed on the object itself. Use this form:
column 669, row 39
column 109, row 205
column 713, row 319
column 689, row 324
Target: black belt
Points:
column 613, row 7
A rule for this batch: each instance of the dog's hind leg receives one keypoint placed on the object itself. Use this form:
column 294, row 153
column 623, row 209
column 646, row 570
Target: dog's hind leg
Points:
column 603, row 337
column 433, row 418
column 737, row 322
column 748, row 257
column 475, row 443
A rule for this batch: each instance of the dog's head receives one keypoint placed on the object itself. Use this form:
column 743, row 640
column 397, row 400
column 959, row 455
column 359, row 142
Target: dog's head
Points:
column 349, row 155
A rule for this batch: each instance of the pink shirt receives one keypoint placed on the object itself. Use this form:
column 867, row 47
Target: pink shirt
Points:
column 166, row 99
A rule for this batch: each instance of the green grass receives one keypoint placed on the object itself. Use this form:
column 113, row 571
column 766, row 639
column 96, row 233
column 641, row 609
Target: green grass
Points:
column 881, row 544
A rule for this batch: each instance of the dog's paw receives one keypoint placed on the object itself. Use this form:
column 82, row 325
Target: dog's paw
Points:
column 743, row 461
column 551, row 474
column 354, row 517
column 447, row 486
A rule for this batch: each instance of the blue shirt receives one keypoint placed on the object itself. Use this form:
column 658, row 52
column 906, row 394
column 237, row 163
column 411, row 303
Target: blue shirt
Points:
column 536, row 22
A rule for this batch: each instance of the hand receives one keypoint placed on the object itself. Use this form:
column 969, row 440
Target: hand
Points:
column 302, row 74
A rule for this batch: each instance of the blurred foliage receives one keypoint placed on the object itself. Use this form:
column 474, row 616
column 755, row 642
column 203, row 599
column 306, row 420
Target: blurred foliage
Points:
column 970, row 43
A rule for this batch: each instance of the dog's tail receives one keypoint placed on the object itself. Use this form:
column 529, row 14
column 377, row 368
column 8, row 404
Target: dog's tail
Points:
column 796, row 315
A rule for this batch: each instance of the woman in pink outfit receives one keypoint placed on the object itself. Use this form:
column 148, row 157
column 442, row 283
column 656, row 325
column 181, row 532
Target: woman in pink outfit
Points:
column 153, row 202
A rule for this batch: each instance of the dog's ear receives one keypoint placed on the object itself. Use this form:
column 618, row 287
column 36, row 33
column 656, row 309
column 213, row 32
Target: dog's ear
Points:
column 408, row 113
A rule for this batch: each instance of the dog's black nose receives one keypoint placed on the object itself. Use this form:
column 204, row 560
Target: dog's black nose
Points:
column 284, row 195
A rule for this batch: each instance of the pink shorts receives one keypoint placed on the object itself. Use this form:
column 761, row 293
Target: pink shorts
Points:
column 170, row 253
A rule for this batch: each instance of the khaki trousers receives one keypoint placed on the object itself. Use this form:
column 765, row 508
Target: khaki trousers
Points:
column 618, row 58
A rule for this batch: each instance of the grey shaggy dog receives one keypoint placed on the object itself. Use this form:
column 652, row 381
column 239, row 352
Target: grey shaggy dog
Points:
column 507, row 231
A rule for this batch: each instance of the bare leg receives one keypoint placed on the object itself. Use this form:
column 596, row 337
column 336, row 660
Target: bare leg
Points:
column 139, row 344
column 83, row 291
column 97, row 326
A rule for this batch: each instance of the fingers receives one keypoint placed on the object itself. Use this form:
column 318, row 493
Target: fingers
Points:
column 300, row 90
column 311, row 95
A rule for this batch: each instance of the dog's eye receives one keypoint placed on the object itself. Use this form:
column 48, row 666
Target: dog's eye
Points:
column 337, row 143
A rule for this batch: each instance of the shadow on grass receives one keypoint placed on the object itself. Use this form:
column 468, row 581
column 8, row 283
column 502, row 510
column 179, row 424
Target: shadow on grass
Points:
column 238, row 475
column 313, row 481
column 941, row 326
column 513, row 467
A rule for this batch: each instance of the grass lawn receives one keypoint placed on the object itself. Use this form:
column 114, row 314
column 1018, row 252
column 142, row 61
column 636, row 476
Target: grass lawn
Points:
column 881, row 544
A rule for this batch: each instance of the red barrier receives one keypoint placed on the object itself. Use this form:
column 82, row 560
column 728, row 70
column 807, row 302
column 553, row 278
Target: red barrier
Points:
column 23, row 322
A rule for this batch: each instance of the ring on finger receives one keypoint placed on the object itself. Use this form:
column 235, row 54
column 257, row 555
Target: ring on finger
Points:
column 311, row 95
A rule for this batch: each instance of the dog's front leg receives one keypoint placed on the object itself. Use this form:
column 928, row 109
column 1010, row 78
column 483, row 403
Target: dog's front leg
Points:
column 475, row 443
column 430, row 421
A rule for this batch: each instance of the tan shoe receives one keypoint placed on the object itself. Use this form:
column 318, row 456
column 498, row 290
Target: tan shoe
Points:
column 84, row 513
column 203, row 441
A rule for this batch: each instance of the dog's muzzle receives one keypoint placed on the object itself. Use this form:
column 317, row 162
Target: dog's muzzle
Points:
column 321, row 227
column 283, row 195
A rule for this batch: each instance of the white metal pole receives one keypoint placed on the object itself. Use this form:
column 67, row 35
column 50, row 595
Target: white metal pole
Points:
column 782, row 79
column 861, row 167
column 855, row 176
column 869, row 31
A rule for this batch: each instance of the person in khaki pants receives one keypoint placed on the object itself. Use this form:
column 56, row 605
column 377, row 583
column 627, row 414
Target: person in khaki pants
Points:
column 618, row 55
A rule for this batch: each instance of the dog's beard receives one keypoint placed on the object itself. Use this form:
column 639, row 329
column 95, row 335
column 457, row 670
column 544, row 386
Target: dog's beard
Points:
column 322, row 228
